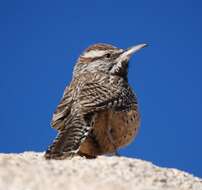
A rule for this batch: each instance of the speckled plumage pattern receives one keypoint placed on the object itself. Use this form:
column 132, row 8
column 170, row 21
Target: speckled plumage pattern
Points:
column 98, row 112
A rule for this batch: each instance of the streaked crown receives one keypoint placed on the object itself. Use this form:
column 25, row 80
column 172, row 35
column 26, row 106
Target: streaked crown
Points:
column 98, row 51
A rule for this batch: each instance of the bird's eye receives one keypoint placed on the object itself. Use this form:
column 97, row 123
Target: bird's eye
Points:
column 108, row 55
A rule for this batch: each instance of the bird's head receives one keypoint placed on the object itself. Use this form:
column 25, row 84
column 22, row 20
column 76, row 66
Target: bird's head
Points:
column 105, row 58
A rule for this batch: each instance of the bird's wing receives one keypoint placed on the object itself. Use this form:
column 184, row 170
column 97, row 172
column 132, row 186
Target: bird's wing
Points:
column 62, row 110
column 91, row 97
column 106, row 93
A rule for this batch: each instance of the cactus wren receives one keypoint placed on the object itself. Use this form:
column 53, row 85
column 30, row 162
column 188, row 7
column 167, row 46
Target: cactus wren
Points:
column 98, row 112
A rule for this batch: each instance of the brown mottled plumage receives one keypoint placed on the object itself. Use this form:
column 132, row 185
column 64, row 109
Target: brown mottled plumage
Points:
column 98, row 112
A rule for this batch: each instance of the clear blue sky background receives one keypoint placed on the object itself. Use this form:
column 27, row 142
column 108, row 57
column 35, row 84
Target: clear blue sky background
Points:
column 41, row 40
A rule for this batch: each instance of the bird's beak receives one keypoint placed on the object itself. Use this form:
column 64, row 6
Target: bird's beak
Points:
column 130, row 51
column 124, row 56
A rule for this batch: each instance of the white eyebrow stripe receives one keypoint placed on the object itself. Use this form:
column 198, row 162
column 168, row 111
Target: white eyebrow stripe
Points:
column 94, row 53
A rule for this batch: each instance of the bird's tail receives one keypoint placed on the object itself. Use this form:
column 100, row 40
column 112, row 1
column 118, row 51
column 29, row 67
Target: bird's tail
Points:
column 69, row 139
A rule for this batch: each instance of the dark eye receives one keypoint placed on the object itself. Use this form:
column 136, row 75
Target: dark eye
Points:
column 108, row 55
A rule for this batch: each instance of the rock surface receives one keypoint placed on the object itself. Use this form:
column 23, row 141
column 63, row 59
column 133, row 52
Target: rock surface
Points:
column 30, row 171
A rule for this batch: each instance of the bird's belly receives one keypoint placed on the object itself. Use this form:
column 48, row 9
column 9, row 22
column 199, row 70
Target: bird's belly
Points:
column 111, row 130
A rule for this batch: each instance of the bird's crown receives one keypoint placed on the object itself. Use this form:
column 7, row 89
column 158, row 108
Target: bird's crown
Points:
column 96, row 51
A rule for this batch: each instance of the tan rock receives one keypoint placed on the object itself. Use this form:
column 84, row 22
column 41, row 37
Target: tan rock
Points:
column 30, row 171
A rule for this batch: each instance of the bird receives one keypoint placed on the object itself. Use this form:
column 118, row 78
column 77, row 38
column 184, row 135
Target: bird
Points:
column 98, row 112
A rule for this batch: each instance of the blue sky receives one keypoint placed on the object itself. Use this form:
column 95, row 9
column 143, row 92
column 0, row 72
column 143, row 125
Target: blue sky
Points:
column 41, row 40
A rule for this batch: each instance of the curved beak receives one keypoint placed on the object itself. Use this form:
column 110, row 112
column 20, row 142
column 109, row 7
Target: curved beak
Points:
column 130, row 51
column 123, row 58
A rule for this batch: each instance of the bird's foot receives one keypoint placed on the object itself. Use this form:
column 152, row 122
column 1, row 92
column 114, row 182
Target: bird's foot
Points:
column 59, row 156
column 87, row 155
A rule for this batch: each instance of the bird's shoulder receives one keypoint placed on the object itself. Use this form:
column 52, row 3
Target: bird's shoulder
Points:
column 97, row 91
column 98, row 78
